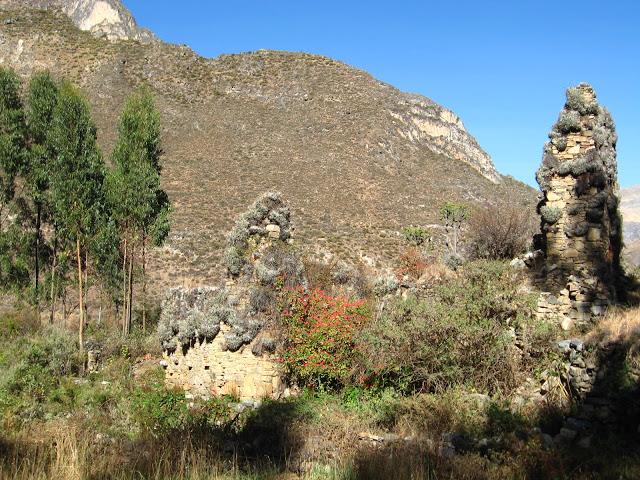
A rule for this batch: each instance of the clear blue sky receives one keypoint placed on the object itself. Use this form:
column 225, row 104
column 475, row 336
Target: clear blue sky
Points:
column 501, row 66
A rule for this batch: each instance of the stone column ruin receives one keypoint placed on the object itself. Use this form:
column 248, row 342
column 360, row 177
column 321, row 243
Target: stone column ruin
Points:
column 580, row 224
column 222, row 340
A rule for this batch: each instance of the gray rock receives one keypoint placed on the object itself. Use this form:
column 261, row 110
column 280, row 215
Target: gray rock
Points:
column 564, row 346
column 567, row 434
column 585, row 442
column 575, row 371
column 577, row 424
column 518, row 263
column 577, row 344
column 547, row 440
column 579, row 362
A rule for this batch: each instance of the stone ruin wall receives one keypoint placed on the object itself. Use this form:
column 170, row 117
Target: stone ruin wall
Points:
column 221, row 340
column 208, row 369
column 579, row 212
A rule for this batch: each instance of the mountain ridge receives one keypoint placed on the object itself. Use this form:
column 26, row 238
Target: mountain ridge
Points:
column 356, row 158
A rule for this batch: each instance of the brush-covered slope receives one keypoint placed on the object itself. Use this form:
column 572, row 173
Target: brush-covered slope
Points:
column 630, row 207
column 355, row 158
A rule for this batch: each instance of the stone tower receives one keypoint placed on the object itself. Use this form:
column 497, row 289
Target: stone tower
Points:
column 580, row 224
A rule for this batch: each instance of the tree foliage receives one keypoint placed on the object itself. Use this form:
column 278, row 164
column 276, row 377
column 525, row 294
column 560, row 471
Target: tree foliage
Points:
column 60, row 204
column 453, row 216
column 141, row 207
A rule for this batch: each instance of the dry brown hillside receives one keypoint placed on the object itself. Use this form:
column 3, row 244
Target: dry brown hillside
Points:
column 355, row 158
column 630, row 207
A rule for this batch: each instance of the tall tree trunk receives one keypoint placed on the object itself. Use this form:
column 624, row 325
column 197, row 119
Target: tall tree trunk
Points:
column 38, row 217
column 124, row 289
column 53, row 279
column 144, row 284
column 80, row 293
column 130, row 303
column 86, row 274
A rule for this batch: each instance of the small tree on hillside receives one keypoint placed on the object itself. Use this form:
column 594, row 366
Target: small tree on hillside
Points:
column 453, row 216
column 77, row 181
column 140, row 204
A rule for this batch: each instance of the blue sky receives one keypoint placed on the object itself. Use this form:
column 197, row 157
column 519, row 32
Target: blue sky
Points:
column 501, row 66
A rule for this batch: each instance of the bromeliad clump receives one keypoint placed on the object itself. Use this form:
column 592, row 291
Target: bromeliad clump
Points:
column 267, row 217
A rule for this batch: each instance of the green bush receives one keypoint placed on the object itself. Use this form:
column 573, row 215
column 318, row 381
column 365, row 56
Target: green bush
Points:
column 191, row 315
column 249, row 227
column 159, row 411
column 458, row 336
column 560, row 142
column 415, row 235
column 33, row 369
column 384, row 286
column 577, row 166
column 578, row 102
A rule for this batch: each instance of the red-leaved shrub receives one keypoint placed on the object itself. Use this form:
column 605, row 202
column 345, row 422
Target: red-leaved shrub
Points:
column 320, row 330
column 411, row 263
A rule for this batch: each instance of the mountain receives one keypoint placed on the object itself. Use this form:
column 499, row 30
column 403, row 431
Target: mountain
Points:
column 103, row 18
column 355, row 158
column 630, row 206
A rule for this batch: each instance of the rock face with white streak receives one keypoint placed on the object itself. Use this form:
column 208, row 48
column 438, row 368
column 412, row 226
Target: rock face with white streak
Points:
column 424, row 122
column 103, row 18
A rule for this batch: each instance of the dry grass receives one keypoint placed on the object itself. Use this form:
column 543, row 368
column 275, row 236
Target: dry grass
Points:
column 618, row 326
column 501, row 231
column 75, row 454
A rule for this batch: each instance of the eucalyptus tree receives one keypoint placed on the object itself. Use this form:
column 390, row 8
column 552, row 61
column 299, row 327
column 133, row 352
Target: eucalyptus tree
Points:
column 13, row 256
column 77, row 182
column 42, row 97
column 140, row 205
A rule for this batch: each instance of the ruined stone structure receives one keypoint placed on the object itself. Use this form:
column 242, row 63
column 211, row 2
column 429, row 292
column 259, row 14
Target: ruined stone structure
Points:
column 581, row 227
column 223, row 340
column 209, row 368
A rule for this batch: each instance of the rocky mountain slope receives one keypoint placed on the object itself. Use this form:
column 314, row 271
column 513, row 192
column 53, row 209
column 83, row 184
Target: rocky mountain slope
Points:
column 355, row 158
column 103, row 18
column 630, row 207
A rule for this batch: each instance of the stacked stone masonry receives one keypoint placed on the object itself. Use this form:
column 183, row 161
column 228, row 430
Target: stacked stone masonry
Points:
column 579, row 212
column 208, row 369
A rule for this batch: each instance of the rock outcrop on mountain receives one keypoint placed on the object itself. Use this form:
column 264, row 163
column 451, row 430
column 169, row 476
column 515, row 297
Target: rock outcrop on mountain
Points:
column 356, row 158
column 580, row 222
column 103, row 18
